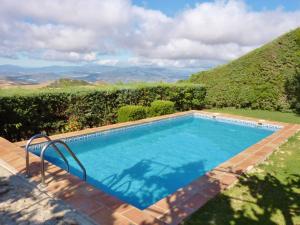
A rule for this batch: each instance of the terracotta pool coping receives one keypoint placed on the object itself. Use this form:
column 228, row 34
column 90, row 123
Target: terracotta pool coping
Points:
column 107, row 209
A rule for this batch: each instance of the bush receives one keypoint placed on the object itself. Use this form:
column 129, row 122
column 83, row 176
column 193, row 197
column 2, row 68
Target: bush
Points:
column 131, row 113
column 161, row 107
column 25, row 113
column 293, row 89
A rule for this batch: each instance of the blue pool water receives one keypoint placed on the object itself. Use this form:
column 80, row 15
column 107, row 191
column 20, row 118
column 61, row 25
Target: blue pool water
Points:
column 141, row 165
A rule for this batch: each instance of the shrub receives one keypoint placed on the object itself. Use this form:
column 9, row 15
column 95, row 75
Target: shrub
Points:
column 73, row 124
column 131, row 113
column 27, row 112
column 293, row 88
column 161, row 107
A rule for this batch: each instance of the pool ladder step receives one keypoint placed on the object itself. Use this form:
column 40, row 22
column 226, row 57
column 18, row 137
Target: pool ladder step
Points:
column 52, row 143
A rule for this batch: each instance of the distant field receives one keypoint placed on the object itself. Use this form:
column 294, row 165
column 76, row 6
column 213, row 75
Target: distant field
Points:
column 41, row 88
column 8, row 85
column 262, row 114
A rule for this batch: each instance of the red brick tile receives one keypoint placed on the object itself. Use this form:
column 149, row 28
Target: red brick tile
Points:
column 166, row 203
column 267, row 149
column 214, row 174
column 10, row 156
column 109, row 201
column 106, row 216
column 121, row 208
column 228, row 180
column 4, row 151
column 138, row 217
column 238, row 158
column 245, row 165
column 18, row 163
column 194, row 203
column 155, row 211
column 252, row 149
column 174, row 216
column 212, row 189
column 57, row 187
column 88, row 191
column 85, row 205
column 204, row 180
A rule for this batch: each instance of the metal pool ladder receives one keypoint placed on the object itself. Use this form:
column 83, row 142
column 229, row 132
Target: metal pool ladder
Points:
column 42, row 155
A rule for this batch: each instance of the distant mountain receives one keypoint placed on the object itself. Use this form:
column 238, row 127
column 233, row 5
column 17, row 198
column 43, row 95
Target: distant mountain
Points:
column 266, row 78
column 92, row 73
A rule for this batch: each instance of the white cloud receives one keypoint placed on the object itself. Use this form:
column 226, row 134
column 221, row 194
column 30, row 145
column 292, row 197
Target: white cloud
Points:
column 108, row 62
column 221, row 30
column 86, row 30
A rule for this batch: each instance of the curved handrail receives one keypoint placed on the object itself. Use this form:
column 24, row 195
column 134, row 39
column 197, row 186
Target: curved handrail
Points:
column 68, row 149
column 48, row 139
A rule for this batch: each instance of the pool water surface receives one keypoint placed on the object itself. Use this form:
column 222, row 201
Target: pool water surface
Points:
column 143, row 164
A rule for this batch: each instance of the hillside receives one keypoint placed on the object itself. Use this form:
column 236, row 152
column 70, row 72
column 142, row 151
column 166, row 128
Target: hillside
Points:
column 266, row 78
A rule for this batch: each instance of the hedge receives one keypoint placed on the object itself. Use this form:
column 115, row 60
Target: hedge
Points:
column 131, row 113
column 23, row 115
column 161, row 107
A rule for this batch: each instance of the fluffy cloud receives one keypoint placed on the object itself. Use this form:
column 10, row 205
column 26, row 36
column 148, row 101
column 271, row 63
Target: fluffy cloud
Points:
column 222, row 30
column 86, row 30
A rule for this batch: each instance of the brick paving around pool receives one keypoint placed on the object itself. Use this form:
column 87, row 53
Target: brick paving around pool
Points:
column 108, row 210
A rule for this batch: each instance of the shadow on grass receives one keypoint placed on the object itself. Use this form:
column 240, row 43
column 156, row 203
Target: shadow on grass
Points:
column 267, row 196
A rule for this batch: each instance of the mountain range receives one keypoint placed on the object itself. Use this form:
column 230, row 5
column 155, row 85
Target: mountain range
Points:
column 92, row 73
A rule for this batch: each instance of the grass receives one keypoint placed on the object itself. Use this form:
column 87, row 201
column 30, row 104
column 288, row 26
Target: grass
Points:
column 269, row 195
column 262, row 114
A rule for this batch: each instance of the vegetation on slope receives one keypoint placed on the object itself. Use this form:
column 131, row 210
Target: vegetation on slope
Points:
column 266, row 78
column 66, row 82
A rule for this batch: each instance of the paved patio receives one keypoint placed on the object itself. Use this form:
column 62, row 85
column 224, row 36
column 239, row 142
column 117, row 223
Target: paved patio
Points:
column 22, row 203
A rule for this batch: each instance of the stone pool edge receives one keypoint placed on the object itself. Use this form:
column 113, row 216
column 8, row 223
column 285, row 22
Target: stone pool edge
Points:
column 107, row 209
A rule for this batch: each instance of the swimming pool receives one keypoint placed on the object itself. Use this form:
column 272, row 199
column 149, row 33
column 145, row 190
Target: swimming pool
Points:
column 143, row 164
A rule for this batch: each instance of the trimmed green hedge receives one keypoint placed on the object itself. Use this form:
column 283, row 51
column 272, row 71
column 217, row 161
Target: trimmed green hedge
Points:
column 55, row 111
column 131, row 113
column 161, row 107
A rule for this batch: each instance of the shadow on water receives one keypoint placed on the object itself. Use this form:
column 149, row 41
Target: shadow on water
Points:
column 151, row 186
column 267, row 196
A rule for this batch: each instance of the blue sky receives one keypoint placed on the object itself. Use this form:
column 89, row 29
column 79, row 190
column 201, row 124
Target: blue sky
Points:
column 167, row 33
column 171, row 7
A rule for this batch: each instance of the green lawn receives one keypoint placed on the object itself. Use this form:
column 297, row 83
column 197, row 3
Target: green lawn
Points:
column 263, row 114
column 268, row 195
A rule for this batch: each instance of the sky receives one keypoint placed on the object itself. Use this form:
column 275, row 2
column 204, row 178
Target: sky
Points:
column 166, row 33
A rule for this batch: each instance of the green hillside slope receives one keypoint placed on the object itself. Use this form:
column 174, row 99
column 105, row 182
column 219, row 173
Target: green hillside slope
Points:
column 266, row 78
